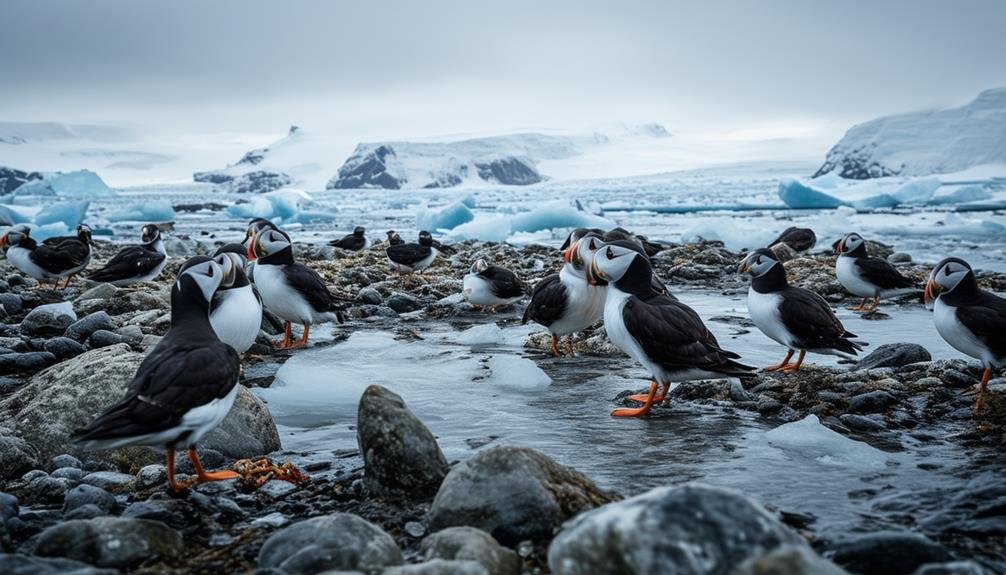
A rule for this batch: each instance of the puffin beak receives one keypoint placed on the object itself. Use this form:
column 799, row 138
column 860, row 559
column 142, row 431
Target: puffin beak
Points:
column 567, row 255
column 4, row 241
column 932, row 291
column 840, row 247
column 251, row 250
column 594, row 273
column 743, row 268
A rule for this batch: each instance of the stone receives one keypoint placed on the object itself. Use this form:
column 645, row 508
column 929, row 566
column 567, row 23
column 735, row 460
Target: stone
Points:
column 692, row 529
column 47, row 489
column 952, row 568
column 403, row 303
column 894, row 355
column 438, row 567
column 48, row 320
column 100, row 291
column 64, row 348
column 82, row 329
column 790, row 560
column 468, row 543
column 104, row 338
column 172, row 512
column 89, row 495
column 862, row 422
column 331, row 542
column 370, row 296
column 871, row 401
column 109, row 541
column 73, row 474
column 17, row 457
column 66, row 460
column 514, row 494
column 109, row 479
column 900, row 258
column 30, row 361
column 151, row 476
column 27, row 565
column 8, row 507
column 11, row 303
column 399, row 452
column 888, row 553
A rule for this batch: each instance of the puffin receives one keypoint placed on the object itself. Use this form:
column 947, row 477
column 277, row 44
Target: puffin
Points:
column 970, row 319
column 292, row 291
column 183, row 389
column 797, row 239
column 134, row 264
column 409, row 258
column 354, row 242
column 564, row 302
column 582, row 255
column 664, row 335
column 868, row 277
column 793, row 316
column 52, row 260
column 235, row 310
column 650, row 248
column 394, row 239
column 493, row 286
column 232, row 248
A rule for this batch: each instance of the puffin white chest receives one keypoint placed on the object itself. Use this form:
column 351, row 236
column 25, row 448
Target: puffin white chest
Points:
column 618, row 333
column 764, row 311
column 584, row 304
column 237, row 318
column 21, row 259
column 957, row 334
column 279, row 297
column 478, row 291
column 848, row 276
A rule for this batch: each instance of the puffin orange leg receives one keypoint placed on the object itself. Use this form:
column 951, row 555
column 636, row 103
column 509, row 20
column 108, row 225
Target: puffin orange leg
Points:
column 303, row 338
column 661, row 395
column 555, row 346
column 172, row 482
column 287, row 336
column 796, row 366
column 783, row 365
column 983, row 389
column 641, row 411
column 203, row 476
column 860, row 307
column 876, row 303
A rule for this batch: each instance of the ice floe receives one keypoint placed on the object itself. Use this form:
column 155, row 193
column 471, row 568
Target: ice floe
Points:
column 808, row 438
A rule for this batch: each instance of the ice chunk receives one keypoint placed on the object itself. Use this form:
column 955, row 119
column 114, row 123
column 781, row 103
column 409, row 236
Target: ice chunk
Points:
column 469, row 200
column 148, row 211
column 963, row 195
column 78, row 184
column 286, row 206
column 516, row 372
column 558, row 214
column 735, row 234
column 831, row 191
column 808, row 438
column 9, row 216
column 485, row 334
column 445, row 218
column 70, row 214
column 488, row 228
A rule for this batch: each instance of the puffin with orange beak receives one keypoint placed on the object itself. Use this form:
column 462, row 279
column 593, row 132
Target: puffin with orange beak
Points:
column 50, row 262
column 970, row 319
column 868, row 277
column 564, row 303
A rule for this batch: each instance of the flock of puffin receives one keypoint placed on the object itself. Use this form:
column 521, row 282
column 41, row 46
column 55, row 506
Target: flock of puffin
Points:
column 189, row 381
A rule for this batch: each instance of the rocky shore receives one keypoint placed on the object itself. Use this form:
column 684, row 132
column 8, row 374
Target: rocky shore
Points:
column 397, row 505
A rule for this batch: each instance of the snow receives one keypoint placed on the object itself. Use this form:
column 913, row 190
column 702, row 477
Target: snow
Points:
column 76, row 184
column 484, row 334
column 445, row 218
column 148, row 211
column 808, row 438
column 287, row 206
column 515, row 372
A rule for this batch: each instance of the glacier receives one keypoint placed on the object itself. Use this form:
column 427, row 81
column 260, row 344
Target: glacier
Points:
column 76, row 184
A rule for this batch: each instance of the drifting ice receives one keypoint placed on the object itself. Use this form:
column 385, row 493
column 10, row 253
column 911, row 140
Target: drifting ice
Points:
column 446, row 218
column 149, row 211
column 809, row 438
column 78, row 184
column 831, row 191
column 517, row 372
column 286, row 205
column 559, row 214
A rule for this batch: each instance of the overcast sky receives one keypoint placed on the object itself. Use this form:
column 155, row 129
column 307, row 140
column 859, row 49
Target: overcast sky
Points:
column 412, row 68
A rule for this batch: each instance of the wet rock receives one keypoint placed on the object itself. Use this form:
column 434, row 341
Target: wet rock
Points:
column 514, row 494
column 957, row 378
column 104, row 338
column 88, row 511
column 47, row 489
column 333, row 542
column 109, row 541
column 952, row 568
column 738, row 393
column 28, row 565
column 370, row 296
column 100, row 291
column 862, row 422
column 399, row 452
column 82, row 329
column 172, row 512
column 17, row 457
column 894, row 355
column 151, row 476
column 64, row 348
column 438, row 567
column 89, row 495
column 403, row 303
column 71, row 473
column 871, row 401
column 888, row 553
column 25, row 362
column 11, row 303
column 48, row 320
column 109, row 480
column 900, row 258
column 696, row 529
column 468, row 543
column 790, row 560
column 131, row 334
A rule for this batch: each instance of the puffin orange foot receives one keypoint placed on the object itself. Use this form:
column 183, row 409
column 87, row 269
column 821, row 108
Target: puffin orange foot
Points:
column 629, row 412
column 777, row 367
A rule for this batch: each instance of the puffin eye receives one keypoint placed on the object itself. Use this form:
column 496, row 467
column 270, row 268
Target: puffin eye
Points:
column 610, row 254
column 758, row 261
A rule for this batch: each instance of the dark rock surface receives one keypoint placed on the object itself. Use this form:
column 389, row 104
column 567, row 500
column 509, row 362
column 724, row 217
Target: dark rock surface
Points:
column 894, row 355
column 888, row 553
column 335, row 542
column 109, row 541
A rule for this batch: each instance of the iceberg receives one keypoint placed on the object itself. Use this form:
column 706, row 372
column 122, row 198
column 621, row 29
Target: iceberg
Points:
column 285, row 205
column 446, row 218
column 149, row 211
column 558, row 214
column 831, row 191
column 70, row 214
column 809, row 438
column 78, row 184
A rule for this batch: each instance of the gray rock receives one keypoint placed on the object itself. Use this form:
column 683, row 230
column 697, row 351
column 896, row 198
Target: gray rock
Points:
column 47, row 489
column 48, row 320
column 862, row 422
column 11, row 303
column 132, row 334
column 337, row 541
column 89, row 495
column 104, row 338
column 900, row 258
column 100, row 291
column 691, row 529
column 66, row 460
column 8, row 507
column 513, row 493
column 871, row 401
column 952, row 568
column 64, row 348
column 737, row 391
column 109, row 541
column 894, row 355
column 403, row 303
column 370, row 296
column 790, row 560
column 72, row 474
column 109, row 480
column 25, row 362
column 888, row 553
column 151, row 476
column 468, row 543
column 172, row 512
column 87, row 511
column 69, row 395
column 438, row 567
column 399, row 452
column 17, row 457
column 82, row 329
column 27, row 565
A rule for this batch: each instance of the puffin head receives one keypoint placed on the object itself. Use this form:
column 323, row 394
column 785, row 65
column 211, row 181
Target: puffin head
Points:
column 202, row 274
column 267, row 242
column 229, row 263
column 425, row 239
column 945, row 277
column 358, row 231
column 149, row 233
column 13, row 237
column 257, row 226
column 610, row 263
column 479, row 266
column 393, row 238
column 849, row 243
column 758, row 262
column 84, row 234
column 581, row 253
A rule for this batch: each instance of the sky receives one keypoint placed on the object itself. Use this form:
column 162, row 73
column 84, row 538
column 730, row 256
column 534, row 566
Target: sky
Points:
column 399, row 68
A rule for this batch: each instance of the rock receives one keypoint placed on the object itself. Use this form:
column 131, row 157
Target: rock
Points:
column 66, row 460
column 690, row 529
column 17, row 457
column 888, row 553
column 88, row 511
column 89, row 495
column 399, row 452
column 25, row 362
column 11, row 303
column 104, row 338
column 64, row 348
column 438, row 567
column 468, row 543
column 71, row 394
column 403, row 303
column 131, row 334
column 82, row 329
column 151, row 476
column 509, row 171
column 900, row 258
column 109, row 480
column 172, row 512
column 862, row 422
column 28, row 565
column 71, row 473
column 46, row 489
column 738, row 393
column 332, row 542
column 367, row 168
column 8, row 507
column 871, row 401
column 790, row 560
column 259, row 182
column 514, row 494
column 48, row 320
column 952, row 568
column 100, row 291
column 110, row 541
column 370, row 296
column 894, row 355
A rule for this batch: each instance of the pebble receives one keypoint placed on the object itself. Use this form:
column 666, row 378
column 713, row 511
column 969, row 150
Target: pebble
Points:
column 73, row 474
column 871, row 401
column 89, row 495
column 64, row 347
column 108, row 479
column 151, row 476
column 415, row 529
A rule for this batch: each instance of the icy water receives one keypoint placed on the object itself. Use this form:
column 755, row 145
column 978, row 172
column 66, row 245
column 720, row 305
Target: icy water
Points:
column 476, row 387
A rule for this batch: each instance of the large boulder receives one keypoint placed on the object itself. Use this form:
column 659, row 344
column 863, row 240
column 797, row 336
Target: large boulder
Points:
column 399, row 453
column 109, row 541
column 513, row 493
column 894, row 355
column 69, row 395
column 48, row 320
column 692, row 529
column 367, row 168
column 340, row 541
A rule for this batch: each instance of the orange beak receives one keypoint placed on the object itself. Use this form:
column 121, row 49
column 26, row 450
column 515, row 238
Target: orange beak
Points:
column 251, row 250
column 840, row 247
column 593, row 273
column 931, row 293
column 567, row 255
column 4, row 241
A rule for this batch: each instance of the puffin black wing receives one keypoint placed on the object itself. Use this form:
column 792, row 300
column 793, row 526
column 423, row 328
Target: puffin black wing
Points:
column 70, row 253
column 309, row 284
column 677, row 339
column 131, row 262
column 504, row 282
column 882, row 274
column 349, row 242
column 986, row 318
column 810, row 319
column 170, row 382
column 548, row 301
column 799, row 239
column 408, row 254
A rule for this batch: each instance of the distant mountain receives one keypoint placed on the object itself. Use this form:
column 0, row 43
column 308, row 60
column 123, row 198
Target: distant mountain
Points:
column 924, row 143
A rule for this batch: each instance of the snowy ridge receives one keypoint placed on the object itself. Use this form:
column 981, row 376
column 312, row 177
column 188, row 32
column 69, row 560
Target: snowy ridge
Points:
column 924, row 143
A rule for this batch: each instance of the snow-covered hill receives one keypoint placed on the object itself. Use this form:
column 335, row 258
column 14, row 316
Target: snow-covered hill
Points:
column 924, row 143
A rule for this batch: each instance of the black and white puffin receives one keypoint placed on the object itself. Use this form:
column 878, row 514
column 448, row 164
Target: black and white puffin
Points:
column 797, row 239
column 183, row 389
column 664, row 335
column 970, row 319
column 257, row 225
column 793, row 316
column 134, row 264
column 564, row 302
column 649, row 248
column 235, row 310
column 581, row 254
column 354, row 242
column 292, row 291
column 868, row 277
column 52, row 260
column 394, row 239
column 409, row 258
column 491, row 286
